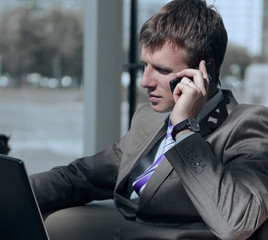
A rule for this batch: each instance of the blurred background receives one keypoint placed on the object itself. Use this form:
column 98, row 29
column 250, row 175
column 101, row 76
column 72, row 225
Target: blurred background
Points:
column 43, row 70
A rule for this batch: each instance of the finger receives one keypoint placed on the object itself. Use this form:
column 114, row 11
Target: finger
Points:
column 197, row 77
column 187, row 82
column 191, row 74
column 201, row 78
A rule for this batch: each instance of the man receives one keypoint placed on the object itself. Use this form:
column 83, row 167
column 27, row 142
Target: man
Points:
column 212, row 180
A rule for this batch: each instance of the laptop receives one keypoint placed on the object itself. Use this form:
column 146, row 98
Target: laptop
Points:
column 20, row 217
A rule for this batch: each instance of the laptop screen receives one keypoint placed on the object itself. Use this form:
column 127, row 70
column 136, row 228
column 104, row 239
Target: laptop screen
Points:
column 20, row 217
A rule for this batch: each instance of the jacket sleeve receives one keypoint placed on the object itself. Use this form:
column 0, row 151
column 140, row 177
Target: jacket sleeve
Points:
column 83, row 180
column 227, row 178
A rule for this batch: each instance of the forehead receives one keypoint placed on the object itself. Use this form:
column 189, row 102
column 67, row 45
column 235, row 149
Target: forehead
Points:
column 169, row 52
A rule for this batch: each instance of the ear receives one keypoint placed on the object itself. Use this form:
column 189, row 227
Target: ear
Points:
column 217, row 74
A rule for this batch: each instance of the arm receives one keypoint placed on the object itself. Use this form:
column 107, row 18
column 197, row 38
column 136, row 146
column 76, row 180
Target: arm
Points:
column 231, row 191
column 84, row 180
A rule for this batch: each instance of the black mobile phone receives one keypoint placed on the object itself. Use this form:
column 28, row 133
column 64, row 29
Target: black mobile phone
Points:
column 210, row 72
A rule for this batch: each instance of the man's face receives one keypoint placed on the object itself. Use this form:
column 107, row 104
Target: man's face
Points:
column 160, row 68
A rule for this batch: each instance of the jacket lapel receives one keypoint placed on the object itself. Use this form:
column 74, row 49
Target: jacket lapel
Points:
column 140, row 151
column 131, row 161
column 158, row 177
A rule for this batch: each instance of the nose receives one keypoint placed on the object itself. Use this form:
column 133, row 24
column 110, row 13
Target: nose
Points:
column 147, row 80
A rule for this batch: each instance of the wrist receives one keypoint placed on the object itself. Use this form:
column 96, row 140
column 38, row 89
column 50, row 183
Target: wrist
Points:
column 184, row 127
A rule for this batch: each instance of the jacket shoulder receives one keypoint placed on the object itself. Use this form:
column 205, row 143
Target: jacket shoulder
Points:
column 146, row 116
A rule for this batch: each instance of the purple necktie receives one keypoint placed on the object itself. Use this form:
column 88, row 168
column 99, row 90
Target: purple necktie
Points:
column 140, row 182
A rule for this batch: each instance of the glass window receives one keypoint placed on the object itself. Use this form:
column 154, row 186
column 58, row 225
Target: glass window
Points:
column 41, row 95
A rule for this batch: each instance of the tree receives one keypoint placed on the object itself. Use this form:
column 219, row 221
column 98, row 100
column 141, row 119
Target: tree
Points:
column 50, row 43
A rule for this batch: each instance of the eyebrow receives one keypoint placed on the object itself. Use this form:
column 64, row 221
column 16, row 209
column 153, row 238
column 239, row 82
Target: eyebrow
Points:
column 156, row 65
column 162, row 67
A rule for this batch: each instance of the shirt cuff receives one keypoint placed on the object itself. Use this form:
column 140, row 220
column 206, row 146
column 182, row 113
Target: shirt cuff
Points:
column 184, row 136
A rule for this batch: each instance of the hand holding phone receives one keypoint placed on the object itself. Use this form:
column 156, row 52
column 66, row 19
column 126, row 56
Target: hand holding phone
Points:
column 210, row 73
column 192, row 93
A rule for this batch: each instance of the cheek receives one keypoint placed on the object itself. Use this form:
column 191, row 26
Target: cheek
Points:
column 166, row 88
column 168, row 94
column 164, row 83
column 168, row 97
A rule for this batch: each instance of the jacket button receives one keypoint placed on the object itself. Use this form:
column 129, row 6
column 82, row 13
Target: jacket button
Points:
column 188, row 154
column 192, row 159
column 195, row 164
column 199, row 169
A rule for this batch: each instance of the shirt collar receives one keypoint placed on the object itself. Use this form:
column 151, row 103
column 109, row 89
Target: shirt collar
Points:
column 211, row 104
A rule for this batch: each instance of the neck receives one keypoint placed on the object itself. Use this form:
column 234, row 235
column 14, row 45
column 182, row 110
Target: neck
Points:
column 212, row 90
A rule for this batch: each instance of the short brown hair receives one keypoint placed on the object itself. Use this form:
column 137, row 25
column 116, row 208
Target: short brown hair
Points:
column 190, row 24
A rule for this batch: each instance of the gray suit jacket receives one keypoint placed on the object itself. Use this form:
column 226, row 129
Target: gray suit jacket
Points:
column 211, row 185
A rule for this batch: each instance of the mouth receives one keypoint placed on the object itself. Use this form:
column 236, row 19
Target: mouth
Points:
column 153, row 97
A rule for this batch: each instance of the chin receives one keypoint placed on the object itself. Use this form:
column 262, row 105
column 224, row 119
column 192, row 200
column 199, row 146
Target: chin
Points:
column 161, row 109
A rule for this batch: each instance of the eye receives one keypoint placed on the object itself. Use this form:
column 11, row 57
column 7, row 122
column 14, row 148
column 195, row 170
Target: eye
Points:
column 162, row 70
